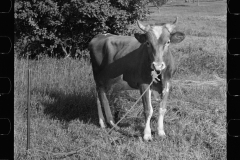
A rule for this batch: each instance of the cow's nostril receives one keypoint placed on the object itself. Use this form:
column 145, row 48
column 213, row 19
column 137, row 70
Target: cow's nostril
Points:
column 163, row 65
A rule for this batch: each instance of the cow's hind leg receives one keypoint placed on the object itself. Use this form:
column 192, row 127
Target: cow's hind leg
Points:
column 100, row 114
column 163, row 109
column 104, row 102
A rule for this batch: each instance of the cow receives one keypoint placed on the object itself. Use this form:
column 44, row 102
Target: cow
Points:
column 132, row 63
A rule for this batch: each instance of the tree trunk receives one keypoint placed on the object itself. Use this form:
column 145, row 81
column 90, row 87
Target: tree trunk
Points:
column 64, row 50
column 155, row 4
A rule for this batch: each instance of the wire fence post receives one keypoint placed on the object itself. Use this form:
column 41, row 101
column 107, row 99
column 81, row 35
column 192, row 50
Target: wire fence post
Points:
column 28, row 103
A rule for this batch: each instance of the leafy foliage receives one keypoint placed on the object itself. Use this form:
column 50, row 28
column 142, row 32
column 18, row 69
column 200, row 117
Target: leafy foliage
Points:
column 60, row 28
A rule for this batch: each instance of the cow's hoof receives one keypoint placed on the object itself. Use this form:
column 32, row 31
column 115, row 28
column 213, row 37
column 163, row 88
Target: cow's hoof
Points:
column 147, row 137
column 161, row 133
column 102, row 125
column 113, row 125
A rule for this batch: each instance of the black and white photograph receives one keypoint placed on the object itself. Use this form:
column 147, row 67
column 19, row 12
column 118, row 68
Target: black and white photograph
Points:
column 120, row 79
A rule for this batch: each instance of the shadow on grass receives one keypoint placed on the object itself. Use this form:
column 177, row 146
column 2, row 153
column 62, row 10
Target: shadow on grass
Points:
column 138, row 125
column 67, row 107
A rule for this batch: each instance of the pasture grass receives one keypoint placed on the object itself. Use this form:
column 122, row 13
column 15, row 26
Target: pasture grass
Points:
column 64, row 118
column 64, row 111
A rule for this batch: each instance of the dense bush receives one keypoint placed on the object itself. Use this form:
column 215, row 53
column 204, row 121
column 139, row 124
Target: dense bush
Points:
column 60, row 28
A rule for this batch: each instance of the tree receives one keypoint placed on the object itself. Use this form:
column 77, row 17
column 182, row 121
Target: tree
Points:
column 158, row 3
column 60, row 27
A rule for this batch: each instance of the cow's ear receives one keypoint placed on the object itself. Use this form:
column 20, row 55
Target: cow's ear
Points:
column 140, row 37
column 177, row 37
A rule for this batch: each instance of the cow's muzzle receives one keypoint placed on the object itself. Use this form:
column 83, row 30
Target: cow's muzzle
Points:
column 158, row 67
column 157, row 70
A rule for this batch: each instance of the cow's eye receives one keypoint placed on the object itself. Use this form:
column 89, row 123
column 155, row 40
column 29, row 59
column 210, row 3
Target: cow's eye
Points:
column 168, row 42
column 148, row 44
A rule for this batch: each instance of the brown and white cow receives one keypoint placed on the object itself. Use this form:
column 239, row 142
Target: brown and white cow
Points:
column 127, row 63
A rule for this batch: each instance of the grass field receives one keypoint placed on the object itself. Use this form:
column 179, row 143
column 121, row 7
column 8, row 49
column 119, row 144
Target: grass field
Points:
column 64, row 112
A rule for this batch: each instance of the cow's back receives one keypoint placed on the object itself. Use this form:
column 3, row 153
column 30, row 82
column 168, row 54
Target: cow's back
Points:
column 96, row 49
column 106, row 48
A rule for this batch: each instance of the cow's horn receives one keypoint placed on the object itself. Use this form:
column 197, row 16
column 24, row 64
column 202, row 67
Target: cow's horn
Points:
column 176, row 20
column 142, row 27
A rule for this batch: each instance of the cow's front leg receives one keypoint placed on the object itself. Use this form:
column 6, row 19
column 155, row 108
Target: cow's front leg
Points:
column 148, row 111
column 163, row 109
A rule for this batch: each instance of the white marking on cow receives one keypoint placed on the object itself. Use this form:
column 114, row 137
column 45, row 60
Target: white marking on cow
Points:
column 160, row 122
column 147, row 130
column 166, row 89
column 170, row 27
column 157, row 30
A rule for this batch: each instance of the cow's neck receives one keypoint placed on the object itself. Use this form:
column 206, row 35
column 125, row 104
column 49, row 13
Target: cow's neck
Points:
column 145, row 66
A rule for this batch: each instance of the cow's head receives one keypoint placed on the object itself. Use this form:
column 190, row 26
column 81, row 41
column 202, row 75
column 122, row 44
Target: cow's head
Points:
column 157, row 40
